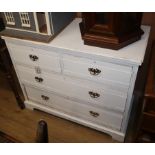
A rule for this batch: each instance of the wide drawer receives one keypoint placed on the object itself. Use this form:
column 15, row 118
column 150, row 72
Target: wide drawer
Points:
column 35, row 57
column 92, row 93
column 85, row 112
column 96, row 70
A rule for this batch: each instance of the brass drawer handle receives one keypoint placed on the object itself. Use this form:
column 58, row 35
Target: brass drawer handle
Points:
column 46, row 98
column 94, row 114
column 33, row 57
column 38, row 79
column 94, row 71
column 94, row 95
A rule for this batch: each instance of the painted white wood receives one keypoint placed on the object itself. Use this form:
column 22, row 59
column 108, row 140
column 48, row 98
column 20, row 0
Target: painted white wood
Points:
column 24, row 18
column 69, row 41
column 116, row 134
column 50, row 17
column 36, row 22
column 129, row 100
column 106, row 118
column 64, row 66
column 80, row 90
column 48, row 23
column 110, row 72
column 50, row 79
column 9, row 18
column 21, row 54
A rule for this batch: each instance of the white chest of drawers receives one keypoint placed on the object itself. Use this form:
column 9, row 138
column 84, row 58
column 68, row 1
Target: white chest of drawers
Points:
column 88, row 85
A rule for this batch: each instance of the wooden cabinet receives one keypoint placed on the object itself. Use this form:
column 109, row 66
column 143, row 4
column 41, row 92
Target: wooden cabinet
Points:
column 88, row 85
column 148, row 118
column 112, row 30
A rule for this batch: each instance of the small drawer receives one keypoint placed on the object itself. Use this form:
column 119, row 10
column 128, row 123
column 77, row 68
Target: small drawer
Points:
column 89, row 92
column 85, row 112
column 97, row 71
column 35, row 57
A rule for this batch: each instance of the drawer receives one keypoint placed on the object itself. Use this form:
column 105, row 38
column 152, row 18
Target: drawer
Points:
column 85, row 112
column 95, row 70
column 35, row 57
column 89, row 92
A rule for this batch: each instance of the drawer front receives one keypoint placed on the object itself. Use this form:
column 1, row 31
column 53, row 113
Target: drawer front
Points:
column 98, row 71
column 35, row 57
column 86, row 91
column 85, row 112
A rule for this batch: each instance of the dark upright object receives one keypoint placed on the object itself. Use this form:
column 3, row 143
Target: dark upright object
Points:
column 110, row 30
column 42, row 132
column 141, row 127
column 148, row 114
column 7, row 67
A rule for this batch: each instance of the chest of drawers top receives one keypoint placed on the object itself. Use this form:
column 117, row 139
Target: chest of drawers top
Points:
column 69, row 41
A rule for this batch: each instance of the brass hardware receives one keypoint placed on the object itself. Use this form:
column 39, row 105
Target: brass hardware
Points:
column 38, row 70
column 38, row 79
column 94, row 95
column 46, row 98
column 33, row 57
column 94, row 71
column 94, row 114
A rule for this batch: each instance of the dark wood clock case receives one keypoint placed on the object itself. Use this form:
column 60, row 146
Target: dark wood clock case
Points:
column 110, row 30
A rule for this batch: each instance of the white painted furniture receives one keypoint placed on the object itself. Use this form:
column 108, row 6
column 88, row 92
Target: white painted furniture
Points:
column 88, row 85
